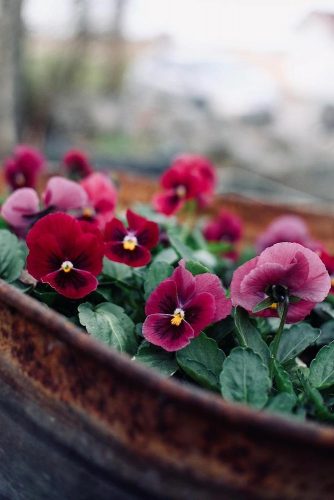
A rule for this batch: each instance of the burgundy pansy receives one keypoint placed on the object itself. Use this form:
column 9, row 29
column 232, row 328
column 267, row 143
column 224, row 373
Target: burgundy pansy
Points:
column 283, row 271
column 225, row 227
column 131, row 245
column 77, row 164
column 182, row 306
column 64, row 255
column 21, row 170
column 179, row 186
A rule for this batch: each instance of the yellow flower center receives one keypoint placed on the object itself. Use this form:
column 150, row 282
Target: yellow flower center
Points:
column 181, row 191
column 177, row 318
column 274, row 305
column 67, row 266
column 332, row 281
column 130, row 243
column 88, row 212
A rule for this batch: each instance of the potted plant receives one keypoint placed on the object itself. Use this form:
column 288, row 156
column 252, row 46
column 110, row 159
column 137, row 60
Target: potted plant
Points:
column 143, row 357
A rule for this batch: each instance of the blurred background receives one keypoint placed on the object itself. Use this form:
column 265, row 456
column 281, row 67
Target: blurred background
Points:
column 250, row 83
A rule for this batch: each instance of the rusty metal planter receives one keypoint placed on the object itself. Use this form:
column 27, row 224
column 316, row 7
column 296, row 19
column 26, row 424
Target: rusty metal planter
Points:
column 79, row 421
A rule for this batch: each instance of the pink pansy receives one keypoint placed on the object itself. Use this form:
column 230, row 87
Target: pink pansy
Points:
column 64, row 194
column 286, row 228
column 21, row 209
column 182, row 306
column 225, row 227
column 281, row 271
column 102, row 199
column 21, row 170
column 19, row 206
column 77, row 164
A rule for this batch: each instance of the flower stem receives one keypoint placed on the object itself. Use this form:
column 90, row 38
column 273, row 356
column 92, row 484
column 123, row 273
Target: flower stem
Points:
column 278, row 335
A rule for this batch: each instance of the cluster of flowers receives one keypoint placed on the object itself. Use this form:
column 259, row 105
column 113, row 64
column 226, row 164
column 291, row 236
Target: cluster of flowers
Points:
column 72, row 227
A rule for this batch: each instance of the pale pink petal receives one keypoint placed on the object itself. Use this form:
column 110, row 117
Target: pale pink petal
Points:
column 64, row 194
column 22, row 202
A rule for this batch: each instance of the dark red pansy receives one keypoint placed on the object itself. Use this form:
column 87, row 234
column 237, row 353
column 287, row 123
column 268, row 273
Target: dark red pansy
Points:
column 64, row 255
column 179, row 186
column 206, row 172
column 131, row 245
column 21, row 170
column 181, row 306
column 225, row 227
column 77, row 164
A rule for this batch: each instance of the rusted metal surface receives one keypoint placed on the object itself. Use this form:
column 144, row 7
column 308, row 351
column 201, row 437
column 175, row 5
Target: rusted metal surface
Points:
column 78, row 420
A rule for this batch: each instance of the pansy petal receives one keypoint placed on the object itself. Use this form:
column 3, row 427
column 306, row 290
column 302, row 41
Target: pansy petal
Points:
column 200, row 312
column 185, row 284
column 239, row 298
column 163, row 299
column 21, row 204
column 74, row 285
column 115, row 231
column 148, row 235
column 168, row 203
column 208, row 282
column 137, row 257
column 64, row 194
column 159, row 330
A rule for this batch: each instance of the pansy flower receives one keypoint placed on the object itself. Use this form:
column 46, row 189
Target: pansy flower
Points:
column 22, row 208
column 21, row 170
column 131, row 245
column 225, row 227
column 102, row 199
column 182, row 306
column 285, row 272
column 286, row 228
column 77, row 164
column 64, row 255
column 190, row 177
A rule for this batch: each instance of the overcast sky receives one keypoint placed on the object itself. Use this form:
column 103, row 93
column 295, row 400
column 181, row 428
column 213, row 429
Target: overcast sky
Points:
column 257, row 24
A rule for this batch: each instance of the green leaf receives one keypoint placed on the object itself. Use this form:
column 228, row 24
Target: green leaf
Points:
column 167, row 255
column 157, row 272
column 322, row 368
column 250, row 334
column 158, row 359
column 264, row 304
column 196, row 267
column 109, row 323
column 218, row 331
column 12, row 256
column 325, row 310
column 180, row 248
column 219, row 247
column 282, row 403
column 202, row 360
column 245, row 379
column 327, row 333
column 295, row 340
column 282, row 379
column 116, row 271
